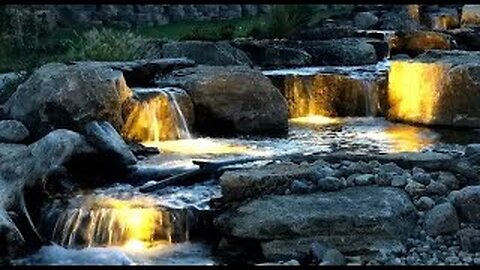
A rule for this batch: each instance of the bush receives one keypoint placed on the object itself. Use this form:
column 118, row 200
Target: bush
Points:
column 106, row 45
column 226, row 31
column 284, row 20
column 199, row 33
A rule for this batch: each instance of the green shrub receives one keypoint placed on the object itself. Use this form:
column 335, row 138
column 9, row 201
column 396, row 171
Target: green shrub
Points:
column 226, row 31
column 284, row 20
column 200, row 33
column 106, row 45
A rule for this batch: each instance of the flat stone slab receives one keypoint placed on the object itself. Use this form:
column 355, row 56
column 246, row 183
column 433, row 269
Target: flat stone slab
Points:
column 361, row 215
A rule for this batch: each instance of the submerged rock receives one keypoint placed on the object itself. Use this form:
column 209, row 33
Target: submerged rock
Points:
column 355, row 219
column 61, row 96
column 12, row 131
column 232, row 100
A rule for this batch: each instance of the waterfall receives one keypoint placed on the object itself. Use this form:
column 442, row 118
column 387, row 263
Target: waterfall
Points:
column 370, row 97
column 158, row 114
column 133, row 223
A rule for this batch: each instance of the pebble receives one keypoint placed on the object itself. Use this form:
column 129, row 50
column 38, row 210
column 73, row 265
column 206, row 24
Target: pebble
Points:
column 452, row 260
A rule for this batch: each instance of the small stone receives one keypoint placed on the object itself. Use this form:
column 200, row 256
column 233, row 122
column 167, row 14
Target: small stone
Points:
column 317, row 251
column 399, row 181
column 452, row 196
column 383, row 178
column 425, row 203
column 452, row 260
column 390, row 168
column 333, row 257
column 364, row 179
column 449, row 180
column 437, row 188
column 469, row 239
column 442, row 219
column 291, row 262
column 414, row 188
column 331, row 183
column 476, row 261
column 299, row 187
column 467, row 259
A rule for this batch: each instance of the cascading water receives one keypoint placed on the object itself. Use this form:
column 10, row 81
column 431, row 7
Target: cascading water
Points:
column 159, row 114
column 120, row 216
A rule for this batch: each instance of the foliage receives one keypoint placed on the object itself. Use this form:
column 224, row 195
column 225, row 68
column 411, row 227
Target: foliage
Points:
column 106, row 45
column 286, row 19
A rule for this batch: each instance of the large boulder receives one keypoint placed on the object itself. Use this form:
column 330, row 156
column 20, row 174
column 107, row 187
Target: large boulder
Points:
column 443, row 19
column 354, row 220
column 24, row 167
column 470, row 14
column 207, row 53
column 230, row 100
column 143, row 72
column 416, row 42
column 448, row 97
column 61, row 96
column 12, row 131
column 265, row 53
column 337, row 52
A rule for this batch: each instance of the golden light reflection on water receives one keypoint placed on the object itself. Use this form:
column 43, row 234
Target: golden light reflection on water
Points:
column 317, row 120
column 203, row 146
column 403, row 138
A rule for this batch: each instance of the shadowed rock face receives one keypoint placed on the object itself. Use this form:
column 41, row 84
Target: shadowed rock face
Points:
column 24, row 166
column 436, row 88
column 61, row 96
column 232, row 100
column 353, row 219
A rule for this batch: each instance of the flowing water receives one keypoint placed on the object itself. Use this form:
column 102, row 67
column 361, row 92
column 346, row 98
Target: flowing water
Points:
column 119, row 225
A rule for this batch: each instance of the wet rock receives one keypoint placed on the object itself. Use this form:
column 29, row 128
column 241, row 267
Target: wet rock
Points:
column 268, row 54
column 443, row 19
column 25, row 167
column 206, row 53
column 415, row 189
column 299, row 187
column 383, row 178
column 104, row 137
column 333, row 257
column 469, row 239
column 421, row 176
column 468, row 203
column 395, row 20
column 452, row 260
column 470, row 14
column 232, row 100
column 453, row 70
column 425, row 203
column 364, row 179
column 340, row 52
column 390, row 168
column 442, row 219
column 437, row 188
column 318, row 251
column 365, row 20
column 273, row 178
column 352, row 219
column 417, row 42
column 331, row 183
column 399, row 180
column 449, row 180
column 143, row 72
column 61, row 96
column 12, row 131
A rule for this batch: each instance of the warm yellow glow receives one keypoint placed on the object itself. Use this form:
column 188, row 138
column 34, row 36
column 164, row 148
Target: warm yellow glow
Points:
column 316, row 119
column 402, row 138
column 202, row 146
column 413, row 90
column 131, row 223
